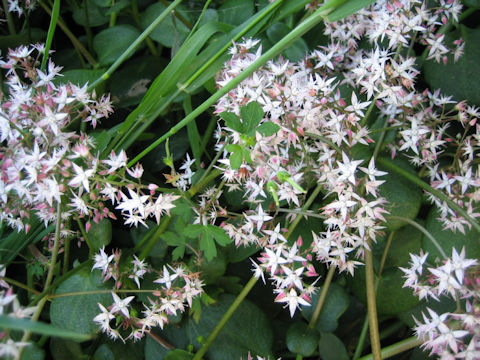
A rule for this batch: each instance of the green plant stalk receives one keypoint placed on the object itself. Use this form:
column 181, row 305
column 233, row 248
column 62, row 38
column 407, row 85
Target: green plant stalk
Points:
column 106, row 75
column 86, row 238
column 361, row 339
column 10, row 22
column 88, row 29
column 136, row 18
column 250, row 284
column 200, row 18
column 363, row 333
column 397, row 348
column 153, row 240
column 323, row 296
column 77, row 44
column 223, row 321
column 305, row 207
column 113, row 19
column 385, row 252
column 51, row 270
column 127, row 139
column 422, row 184
column 371, row 304
column 66, row 254
column 203, row 182
column 301, row 29
column 423, row 230
column 51, row 32
column 20, row 285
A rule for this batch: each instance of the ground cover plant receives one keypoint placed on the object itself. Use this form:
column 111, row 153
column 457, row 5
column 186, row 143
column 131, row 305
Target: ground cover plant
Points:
column 239, row 179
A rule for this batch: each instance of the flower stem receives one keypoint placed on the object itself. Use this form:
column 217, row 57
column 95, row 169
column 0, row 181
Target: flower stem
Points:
column 253, row 280
column 223, row 321
column 323, row 296
column 77, row 44
column 395, row 349
column 371, row 304
column 423, row 230
column 51, row 270
column 422, row 184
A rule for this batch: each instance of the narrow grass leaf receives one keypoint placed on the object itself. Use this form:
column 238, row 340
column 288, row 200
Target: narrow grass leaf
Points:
column 37, row 327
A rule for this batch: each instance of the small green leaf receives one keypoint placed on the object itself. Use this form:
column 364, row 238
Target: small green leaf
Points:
column 207, row 245
column 301, row 339
column 193, row 230
column 232, row 121
column 178, row 252
column 331, row 347
column 268, row 128
column 236, row 160
column 219, row 235
column 252, row 114
column 110, row 43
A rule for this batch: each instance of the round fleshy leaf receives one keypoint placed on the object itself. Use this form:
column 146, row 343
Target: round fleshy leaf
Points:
column 235, row 12
column 336, row 303
column 100, row 234
column 171, row 30
column 248, row 330
column 392, row 298
column 96, row 15
column 294, row 52
column 301, row 339
column 110, row 43
column 331, row 347
column 405, row 241
column 448, row 239
column 404, row 199
column 459, row 78
column 76, row 312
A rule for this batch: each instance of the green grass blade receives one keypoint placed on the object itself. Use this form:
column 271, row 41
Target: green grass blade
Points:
column 51, row 31
column 193, row 134
column 10, row 323
column 134, row 45
column 170, row 78
column 301, row 29
column 347, row 9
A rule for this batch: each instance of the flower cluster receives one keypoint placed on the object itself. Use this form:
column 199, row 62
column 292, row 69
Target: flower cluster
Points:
column 21, row 6
column 398, row 24
column 314, row 130
column 178, row 288
column 452, row 335
column 43, row 162
column 10, row 306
